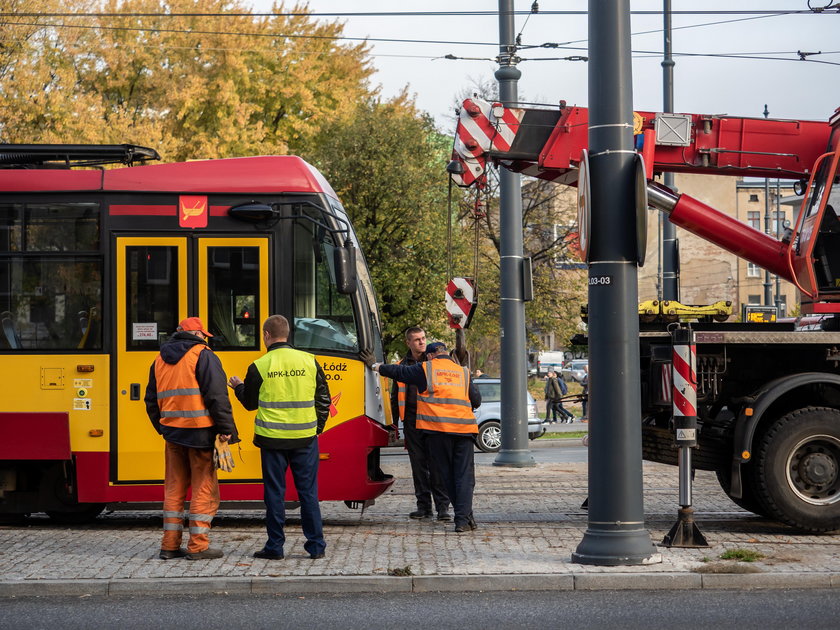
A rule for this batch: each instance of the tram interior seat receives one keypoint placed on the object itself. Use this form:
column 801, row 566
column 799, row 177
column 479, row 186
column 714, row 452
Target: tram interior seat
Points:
column 9, row 333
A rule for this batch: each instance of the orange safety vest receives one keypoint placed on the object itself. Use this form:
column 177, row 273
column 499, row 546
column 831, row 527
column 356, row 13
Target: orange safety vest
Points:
column 402, row 388
column 179, row 397
column 445, row 405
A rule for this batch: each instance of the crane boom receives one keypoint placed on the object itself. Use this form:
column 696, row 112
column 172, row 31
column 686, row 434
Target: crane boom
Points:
column 547, row 143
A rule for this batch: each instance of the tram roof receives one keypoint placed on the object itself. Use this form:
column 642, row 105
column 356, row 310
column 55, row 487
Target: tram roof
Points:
column 254, row 175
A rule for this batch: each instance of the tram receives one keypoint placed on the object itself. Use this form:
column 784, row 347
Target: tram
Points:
column 102, row 254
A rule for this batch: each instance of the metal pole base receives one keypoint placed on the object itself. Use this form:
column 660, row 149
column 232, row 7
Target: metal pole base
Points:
column 685, row 532
column 518, row 458
column 614, row 548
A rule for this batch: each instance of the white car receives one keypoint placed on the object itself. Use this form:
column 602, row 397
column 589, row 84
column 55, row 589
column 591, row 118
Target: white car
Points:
column 489, row 415
column 573, row 370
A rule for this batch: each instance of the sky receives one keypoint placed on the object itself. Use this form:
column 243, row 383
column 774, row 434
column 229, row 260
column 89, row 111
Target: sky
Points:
column 790, row 88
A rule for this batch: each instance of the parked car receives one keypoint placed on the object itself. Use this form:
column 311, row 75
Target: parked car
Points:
column 489, row 415
column 573, row 370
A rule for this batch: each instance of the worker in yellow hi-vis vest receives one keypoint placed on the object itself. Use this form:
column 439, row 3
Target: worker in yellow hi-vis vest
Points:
column 289, row 391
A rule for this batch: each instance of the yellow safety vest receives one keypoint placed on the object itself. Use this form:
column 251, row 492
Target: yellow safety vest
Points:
column 287, row 394
column 445, row 405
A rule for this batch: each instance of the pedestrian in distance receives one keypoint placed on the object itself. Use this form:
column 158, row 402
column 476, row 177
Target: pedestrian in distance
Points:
column 445, row 400
column 289, row 392
column 567, row 416
column 428, row 486
column 187, row 402
column 585, row 402
column 555, row 389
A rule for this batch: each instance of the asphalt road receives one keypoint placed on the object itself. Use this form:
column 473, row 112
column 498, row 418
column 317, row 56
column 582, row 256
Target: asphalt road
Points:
column 540, row 610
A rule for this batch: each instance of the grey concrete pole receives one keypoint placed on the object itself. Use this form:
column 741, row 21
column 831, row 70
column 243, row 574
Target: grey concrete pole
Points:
column 670, row 251
column 768, row 291
column 616, row 533
column 514, row 451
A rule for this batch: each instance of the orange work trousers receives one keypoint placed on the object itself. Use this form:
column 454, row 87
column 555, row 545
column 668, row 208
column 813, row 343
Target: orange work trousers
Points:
column 189, row 468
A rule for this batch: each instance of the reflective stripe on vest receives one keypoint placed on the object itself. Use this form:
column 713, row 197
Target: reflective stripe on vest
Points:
column 179, row 397
column 445, row 405
column 287, row 394
column 401, row 393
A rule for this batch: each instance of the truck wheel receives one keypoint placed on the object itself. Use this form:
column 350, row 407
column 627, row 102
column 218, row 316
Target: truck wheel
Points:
column 749, row 501
column 797, row 469
column 489, row 438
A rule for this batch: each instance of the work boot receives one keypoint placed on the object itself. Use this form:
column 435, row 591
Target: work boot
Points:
column 443, row 515
column 267, row 555
column 420, row 515
column 170, row 554
column 207, row 554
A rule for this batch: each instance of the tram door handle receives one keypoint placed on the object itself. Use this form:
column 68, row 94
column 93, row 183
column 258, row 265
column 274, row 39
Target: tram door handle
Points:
column 135, row 391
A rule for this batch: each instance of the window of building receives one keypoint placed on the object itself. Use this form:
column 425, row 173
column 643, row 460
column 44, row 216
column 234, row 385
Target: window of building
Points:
column 754, row 299
column 753, row 197
column 754, row 219
column 753, row 271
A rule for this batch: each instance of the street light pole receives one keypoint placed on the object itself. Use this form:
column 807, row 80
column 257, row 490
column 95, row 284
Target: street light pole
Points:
column 514, row 451
column 670, row 251
column 616, row 533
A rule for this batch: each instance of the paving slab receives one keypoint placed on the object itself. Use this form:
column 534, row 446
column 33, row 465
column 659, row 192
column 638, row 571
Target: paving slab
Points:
column 530, row 522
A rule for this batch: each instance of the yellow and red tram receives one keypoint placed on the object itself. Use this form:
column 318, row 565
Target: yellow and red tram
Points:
column 97, row 267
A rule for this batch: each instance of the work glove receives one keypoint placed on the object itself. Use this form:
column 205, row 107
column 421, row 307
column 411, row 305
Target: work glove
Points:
column 367, row 357
column 222, row 457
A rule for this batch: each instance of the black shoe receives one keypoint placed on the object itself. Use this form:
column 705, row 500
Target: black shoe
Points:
column 170, row 554
column 267, row 555
column 316, row 556
column 444, row 516
column 472, row 524
column 462, row 528
column 420, row 515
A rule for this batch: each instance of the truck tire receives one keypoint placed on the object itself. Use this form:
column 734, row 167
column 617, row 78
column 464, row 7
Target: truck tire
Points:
column 489, row 438
column 749, row 501
column 797, row 469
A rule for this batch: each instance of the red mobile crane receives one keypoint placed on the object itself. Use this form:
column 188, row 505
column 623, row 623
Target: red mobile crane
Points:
column 768, row 395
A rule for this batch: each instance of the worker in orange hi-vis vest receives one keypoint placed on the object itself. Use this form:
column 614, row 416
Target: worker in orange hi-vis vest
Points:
column 445, row 402
column 188, row 404
column 429, row 490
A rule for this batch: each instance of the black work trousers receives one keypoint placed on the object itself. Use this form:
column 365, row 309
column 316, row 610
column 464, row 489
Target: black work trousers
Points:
column 427, row 482
column 452, row 455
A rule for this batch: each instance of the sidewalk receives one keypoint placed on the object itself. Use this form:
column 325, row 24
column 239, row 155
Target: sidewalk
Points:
column 530, row 522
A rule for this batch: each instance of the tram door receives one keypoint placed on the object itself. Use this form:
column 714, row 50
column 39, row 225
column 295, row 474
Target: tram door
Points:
column 160, row 281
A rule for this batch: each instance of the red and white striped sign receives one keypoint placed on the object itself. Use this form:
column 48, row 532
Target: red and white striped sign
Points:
column 460, row 302
column 685, row 380
column 482, row 127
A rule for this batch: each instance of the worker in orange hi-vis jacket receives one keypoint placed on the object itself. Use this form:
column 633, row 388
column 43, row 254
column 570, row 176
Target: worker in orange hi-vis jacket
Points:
column 187, row 402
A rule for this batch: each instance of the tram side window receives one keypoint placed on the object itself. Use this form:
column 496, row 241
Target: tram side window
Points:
column 324, row 318
column 151, row 295
column 233, row 276
column 50, row 277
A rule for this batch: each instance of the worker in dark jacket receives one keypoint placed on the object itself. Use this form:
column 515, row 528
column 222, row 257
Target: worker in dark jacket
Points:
column 445, row 400
column 187, row 402
column 427, row 485
column 289, row 391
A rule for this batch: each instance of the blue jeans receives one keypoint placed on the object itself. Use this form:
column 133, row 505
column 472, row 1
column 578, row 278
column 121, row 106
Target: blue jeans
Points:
column 304, row 464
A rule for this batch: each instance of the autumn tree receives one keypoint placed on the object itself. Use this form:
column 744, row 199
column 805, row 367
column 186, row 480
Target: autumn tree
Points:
column 191, row 85
column 387, row 163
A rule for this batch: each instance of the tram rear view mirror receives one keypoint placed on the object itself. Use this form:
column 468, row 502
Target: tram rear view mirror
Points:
column 344, row 260
column 253, row 212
